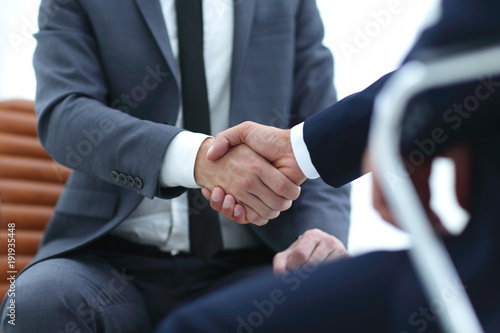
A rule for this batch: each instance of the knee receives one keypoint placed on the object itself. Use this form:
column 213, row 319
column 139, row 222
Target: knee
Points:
column 53, row 292
column 36, row 293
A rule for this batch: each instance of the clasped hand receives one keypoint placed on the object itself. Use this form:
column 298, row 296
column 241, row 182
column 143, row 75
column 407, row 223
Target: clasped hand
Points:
column 256, row 166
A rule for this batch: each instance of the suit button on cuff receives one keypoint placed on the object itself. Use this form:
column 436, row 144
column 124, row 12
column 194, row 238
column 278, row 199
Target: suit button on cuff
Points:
column 138, row 183
column 122, row 178
column 130, row 181
column 115, row 176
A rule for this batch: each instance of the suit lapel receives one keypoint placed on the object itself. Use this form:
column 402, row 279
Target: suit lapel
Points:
column 243, row 17
column 152, row 13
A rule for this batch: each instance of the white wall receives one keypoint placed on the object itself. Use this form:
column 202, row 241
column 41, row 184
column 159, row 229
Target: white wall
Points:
column 17, row 24
column 368, row 38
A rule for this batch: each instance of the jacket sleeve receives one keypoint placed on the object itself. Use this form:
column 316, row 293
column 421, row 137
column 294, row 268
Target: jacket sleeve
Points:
column 76, row 126
column 336, row 137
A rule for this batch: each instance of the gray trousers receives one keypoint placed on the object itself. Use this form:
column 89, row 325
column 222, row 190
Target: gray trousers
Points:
column 107, row 290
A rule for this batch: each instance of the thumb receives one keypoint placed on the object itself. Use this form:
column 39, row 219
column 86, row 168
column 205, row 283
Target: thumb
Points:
column 227, row 139
column 220, row 146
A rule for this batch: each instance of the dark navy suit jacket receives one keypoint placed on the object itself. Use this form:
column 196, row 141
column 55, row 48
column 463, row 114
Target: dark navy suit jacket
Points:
column 380, row 292
column 108, row 93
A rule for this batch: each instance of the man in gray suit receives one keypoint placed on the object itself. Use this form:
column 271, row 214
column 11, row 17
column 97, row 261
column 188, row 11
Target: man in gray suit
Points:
column 119, row 252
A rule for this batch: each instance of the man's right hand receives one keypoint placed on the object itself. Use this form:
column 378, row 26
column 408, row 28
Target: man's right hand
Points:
column 258, row 186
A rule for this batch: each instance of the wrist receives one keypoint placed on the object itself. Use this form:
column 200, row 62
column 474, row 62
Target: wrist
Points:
column 201, row 163
column 288, row 160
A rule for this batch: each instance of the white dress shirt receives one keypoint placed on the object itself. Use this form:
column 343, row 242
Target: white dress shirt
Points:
column 301, row 153
column 165, row 223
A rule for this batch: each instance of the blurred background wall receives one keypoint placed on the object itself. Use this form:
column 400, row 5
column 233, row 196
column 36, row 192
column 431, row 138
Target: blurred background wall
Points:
column 368, row 38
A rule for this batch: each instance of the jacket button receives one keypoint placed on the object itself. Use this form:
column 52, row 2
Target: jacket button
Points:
column 115, row 176
column 138, row 183
column 122, row 178
column 130, row 181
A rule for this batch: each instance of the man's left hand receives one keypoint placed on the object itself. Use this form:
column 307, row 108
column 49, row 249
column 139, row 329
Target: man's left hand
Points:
column 315, row 247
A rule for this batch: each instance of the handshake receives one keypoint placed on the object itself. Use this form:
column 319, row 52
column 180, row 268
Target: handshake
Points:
column 249, row 172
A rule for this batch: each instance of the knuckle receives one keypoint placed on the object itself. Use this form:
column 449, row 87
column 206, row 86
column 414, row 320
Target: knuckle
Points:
column 247, row 182
column 246, row 125
column 219, row 136
column 254, row 218
column 277, row 258
column 281, row 188
column 282, row 204
column 313, row 233
column 260, row 222
column 274, row 215
column 331, row 242
column 255, row 167
column 300, row 255
column 267, row 213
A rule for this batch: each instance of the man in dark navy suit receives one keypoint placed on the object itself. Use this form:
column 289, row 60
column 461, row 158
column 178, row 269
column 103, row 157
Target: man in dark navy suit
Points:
column 379, row 292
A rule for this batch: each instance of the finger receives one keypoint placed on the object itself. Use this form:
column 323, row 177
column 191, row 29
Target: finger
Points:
column 206, row 193
column 337, row 255
column 227, row 139
column 240, row 214
column 216, row 199
column 282, row 186
column 269, row 185
column 228, row 206
column 279, row 263
column 254, row 218
column 329, row 248
column 219, row 147
column 301, row 253
column 252, row 193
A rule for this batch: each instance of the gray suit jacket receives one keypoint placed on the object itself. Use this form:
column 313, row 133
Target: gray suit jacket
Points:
column 108, row 94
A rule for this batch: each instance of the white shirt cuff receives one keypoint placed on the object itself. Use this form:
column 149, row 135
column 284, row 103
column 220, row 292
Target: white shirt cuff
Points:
column 301, row 152
column 179, row 160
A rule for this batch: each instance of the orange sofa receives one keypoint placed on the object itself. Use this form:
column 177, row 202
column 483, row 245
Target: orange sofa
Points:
column 30, row 183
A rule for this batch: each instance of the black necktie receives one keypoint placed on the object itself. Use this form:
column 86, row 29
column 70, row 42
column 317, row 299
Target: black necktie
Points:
column 204, row 228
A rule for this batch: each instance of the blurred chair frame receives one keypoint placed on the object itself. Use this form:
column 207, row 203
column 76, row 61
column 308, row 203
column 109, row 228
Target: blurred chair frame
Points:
column 430, row 258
